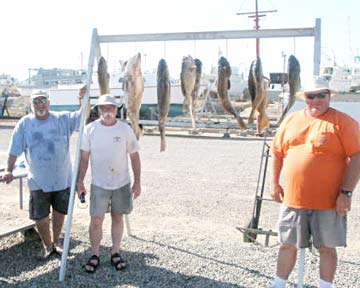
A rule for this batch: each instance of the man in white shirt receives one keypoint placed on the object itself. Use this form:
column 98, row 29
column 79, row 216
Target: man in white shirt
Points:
column 108, row 142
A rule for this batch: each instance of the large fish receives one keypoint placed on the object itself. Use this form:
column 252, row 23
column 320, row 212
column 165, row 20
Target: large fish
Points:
column 195, row 92
column 258, row 90
column 188, row 79
column 223, row 85
column 294, row 84
column 163, row 95
column 133, row 88
column 103, row 76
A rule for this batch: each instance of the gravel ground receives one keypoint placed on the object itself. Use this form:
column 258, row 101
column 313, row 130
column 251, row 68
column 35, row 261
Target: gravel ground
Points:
column 194, row 196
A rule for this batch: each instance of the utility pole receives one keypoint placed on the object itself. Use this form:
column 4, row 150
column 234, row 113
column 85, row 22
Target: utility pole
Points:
column 145, row 62
column 283, row 80
column 81, row 61
column 351, row 56
column 256, row 17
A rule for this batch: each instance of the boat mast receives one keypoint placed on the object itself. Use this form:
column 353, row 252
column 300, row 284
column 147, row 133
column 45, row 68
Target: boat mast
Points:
column 256, row 17
column 257, row 28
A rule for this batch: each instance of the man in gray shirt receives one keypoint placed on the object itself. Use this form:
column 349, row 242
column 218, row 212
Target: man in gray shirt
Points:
column 44, row 138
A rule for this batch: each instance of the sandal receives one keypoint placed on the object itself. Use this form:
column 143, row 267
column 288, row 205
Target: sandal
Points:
column 92, row 264
column 117, row 261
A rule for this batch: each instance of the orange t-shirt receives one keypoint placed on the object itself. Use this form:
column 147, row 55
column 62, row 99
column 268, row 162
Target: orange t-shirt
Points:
column 316, row 152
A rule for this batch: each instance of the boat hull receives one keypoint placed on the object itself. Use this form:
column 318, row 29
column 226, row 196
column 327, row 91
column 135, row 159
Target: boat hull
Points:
column 66, row 99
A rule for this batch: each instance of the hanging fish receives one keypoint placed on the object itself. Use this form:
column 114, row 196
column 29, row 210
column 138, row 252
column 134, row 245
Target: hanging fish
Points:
column 163, row 96
column 223, row 85
column 195, row 92
column 103, row 76
column 188, row 79
column 258, row 90
column 134, row 88
column 294, row 84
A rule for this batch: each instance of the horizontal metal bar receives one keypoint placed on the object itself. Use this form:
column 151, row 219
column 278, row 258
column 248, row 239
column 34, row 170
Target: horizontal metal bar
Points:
column 17, row 174
column 246, row 13
column 257, row 231
column 187, row 124
column 209, row 35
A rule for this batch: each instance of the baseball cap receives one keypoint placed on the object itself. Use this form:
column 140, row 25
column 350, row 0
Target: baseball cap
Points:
column 39, row 93
column 106, row 99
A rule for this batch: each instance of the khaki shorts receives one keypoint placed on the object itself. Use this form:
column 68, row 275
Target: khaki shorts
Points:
column 117, row 201
column 40, row 202
column 325, row 227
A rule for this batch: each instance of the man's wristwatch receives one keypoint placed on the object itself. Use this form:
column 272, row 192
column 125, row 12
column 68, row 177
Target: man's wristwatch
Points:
column 347, row 193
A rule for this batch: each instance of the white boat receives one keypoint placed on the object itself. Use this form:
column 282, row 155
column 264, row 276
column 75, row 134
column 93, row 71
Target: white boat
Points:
column 237, row 82
column 355, row 75
column 278, row 86
column 65, row 97
column 338, row 77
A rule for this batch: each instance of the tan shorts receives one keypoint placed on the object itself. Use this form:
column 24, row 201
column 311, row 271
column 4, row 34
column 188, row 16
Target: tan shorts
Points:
column 117, row 201
column 325, row 227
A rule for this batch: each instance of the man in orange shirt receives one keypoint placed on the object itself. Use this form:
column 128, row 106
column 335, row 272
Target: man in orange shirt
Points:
column 319, row 149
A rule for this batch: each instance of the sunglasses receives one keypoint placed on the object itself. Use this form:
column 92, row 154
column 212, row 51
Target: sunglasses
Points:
column 316, row 95
column 39, row 100
column 107, row 107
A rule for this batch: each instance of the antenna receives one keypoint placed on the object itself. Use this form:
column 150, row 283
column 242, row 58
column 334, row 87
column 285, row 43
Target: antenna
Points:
column 351, row 57
column 256, row 20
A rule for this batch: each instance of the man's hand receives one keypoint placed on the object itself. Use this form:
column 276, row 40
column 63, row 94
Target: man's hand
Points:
column 82, row 92
column 277, row 193
column 136, row 189
column 7, row 177
column 81, row 188
column 343, row 204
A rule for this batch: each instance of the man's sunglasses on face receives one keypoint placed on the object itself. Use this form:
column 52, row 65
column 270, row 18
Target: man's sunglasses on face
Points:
column 321, row 95
column 39, row 100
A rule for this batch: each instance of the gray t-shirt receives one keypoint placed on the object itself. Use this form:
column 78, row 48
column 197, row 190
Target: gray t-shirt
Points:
column 46, row 147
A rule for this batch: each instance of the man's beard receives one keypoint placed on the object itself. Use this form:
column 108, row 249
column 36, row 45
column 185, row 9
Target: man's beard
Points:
column 40, row 113
column 110, row 115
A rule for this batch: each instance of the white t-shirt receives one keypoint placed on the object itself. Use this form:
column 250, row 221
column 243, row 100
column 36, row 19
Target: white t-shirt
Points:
column 109, row 147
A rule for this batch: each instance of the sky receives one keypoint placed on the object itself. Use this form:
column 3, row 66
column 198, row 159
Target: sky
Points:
column 57, row 34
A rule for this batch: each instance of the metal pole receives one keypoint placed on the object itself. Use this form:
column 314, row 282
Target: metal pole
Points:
column 21, row 192
column 127, row 224
column 317, row 47
column 257, row 203
column 283, row 82
column 226, row 48
column 301, row 268
column 257, row 28
column 164, row 50
column 77, row 158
